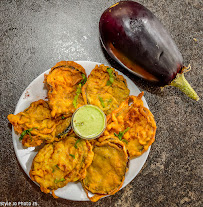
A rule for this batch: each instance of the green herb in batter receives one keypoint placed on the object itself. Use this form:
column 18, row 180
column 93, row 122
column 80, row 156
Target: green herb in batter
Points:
column 57, row 167
column 27, row 131
column 109, row 101
column 77, row 143
column 111, row 77
column 59, row 180
column 102, row 101
column 79, row 90
column 84, row 79
column 120, row 135
column 72, row 156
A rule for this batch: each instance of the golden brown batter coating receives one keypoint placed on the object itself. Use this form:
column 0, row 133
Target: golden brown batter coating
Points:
column 100, row 164
column 133, row 124
column 36, row 125
column 105, row 89
column 64, row 83
column 106, row 174
column 59, row 163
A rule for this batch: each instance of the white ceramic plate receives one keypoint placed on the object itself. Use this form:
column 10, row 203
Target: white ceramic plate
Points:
column 36, row 91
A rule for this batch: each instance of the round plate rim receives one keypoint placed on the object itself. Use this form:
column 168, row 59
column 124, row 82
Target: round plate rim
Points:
column 32, row 148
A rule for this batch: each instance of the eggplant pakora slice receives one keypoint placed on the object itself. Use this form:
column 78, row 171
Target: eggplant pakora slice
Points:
column 105, row 88
column 59, row 163
column 133, row 124
column 36, row 125
column 64, row 82
column 106, row 174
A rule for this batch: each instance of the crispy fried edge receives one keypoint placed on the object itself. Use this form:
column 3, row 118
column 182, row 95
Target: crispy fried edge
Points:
column 109, row 140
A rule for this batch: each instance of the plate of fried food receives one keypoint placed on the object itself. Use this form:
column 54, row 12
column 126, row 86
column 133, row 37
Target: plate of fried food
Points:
column 55, row 157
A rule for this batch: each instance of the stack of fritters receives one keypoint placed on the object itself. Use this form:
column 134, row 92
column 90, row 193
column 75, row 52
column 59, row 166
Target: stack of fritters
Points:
column 36, row 125
column 133, row 124
column 48, row 121
column 59, row 163
column 99, row 164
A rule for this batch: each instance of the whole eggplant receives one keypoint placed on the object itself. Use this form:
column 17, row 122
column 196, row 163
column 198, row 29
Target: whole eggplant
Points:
column 135, row 38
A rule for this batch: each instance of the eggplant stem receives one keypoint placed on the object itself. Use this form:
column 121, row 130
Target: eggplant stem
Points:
column 181, row 83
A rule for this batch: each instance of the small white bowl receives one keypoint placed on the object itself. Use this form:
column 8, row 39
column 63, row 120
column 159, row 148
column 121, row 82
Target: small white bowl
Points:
column 88, row 122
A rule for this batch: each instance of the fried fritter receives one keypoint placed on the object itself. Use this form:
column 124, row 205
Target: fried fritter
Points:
column 59, row 163
column 105, row 88
column 36, row 125
column 64, row 83
column 133, row 124
column 106, row 174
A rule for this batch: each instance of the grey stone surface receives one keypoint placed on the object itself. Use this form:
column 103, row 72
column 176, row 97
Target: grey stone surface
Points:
column 37, row 34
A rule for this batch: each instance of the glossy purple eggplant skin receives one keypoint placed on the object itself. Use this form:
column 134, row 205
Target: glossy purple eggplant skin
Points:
column 132, row 31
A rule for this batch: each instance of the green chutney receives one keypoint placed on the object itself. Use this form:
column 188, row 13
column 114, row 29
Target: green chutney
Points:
column 89, row 122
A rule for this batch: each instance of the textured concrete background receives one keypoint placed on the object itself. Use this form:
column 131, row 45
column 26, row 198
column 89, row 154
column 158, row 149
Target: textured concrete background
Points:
column 37, row 34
